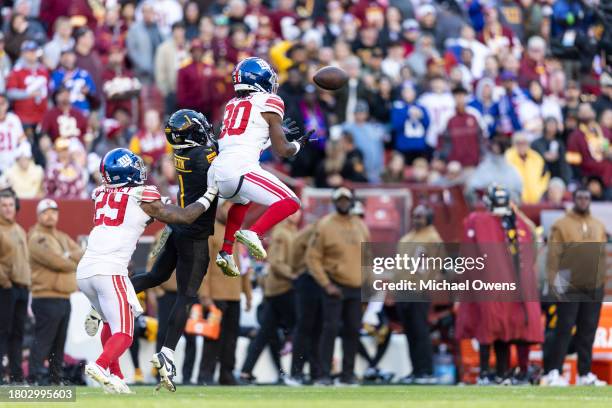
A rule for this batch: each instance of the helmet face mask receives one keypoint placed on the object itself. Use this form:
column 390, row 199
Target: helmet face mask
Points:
column 121, row 167
column 187, row 128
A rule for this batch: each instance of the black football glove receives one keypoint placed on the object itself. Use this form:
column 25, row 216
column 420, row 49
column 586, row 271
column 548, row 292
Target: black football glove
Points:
column 290, row 127
column 305, row 138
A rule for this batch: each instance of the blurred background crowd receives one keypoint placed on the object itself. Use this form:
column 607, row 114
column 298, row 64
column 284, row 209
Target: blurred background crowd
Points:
column 440, row 92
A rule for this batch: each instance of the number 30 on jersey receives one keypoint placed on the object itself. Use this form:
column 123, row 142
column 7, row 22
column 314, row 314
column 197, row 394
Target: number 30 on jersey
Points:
column 236, row 118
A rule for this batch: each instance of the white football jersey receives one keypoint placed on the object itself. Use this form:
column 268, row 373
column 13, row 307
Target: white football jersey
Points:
column 119, row 221
column 245, row 134
column 11, row 134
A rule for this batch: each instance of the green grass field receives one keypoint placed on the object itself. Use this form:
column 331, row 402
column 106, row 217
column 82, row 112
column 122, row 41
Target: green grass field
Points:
column 366, row 397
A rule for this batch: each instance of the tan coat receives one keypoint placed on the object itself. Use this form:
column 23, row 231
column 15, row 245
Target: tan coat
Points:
column 15, row 258
column 216, row 285
column 54, row 257
column 298, row 249
column 279, row 279
column 427, row 235
column 582, row 260
column 334, row 253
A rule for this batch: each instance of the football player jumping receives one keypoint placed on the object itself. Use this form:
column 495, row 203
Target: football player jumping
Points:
column 253, row 120
column 124, row 206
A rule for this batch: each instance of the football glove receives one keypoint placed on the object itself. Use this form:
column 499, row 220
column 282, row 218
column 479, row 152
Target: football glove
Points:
column 305, row 138
column 290, row 127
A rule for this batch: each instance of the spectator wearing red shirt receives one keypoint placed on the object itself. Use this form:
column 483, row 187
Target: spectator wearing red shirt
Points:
column 51, row 10
column 588, row 147
column 257, row 9
column 27, row 86
column 532, row 66
column 64, row 120
column 120, row 86
column 496, row 36
column 64, row 177
column 238, row 46
column 195, row 83
column 462, row 140
column 284, row 15
column 87, row 57
column 150, row 141
column 110, row 34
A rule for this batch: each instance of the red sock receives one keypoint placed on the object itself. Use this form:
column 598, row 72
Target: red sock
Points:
column 275, row 214
column 114, row 366
column 105, row 334
column 235, row 216
column 113, row 349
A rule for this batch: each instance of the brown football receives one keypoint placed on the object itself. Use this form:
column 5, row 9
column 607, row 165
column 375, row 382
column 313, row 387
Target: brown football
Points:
column 330, row 78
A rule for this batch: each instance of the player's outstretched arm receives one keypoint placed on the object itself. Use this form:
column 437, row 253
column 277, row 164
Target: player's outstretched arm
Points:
column 280, row 144
column 172, row 214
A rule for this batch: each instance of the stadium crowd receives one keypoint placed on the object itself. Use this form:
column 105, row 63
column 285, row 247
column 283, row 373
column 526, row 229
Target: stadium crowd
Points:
column 444, row 92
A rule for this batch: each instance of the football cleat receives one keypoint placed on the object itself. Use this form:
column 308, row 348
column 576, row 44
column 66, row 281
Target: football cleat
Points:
column 101, row 376
column 590, row 379
column 119, row 386
column 166, row 370
column 227, row 265
column 554, row 379
column 92, row 322
column 252, row 242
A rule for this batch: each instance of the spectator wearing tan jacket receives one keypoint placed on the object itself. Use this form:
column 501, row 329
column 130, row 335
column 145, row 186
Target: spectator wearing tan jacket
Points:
column 53, row 258
column 334, row 260
column 15, row 282
column 278, row 306
column 224, row 292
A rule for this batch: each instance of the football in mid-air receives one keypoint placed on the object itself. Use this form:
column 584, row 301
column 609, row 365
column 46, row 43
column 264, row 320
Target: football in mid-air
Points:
column 330, row 78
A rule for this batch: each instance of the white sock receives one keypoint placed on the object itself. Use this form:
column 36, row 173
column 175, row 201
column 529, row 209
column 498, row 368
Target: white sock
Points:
column 168, row 353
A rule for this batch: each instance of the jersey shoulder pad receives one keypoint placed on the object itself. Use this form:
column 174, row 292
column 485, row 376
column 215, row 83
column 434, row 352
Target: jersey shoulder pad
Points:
column 272, row 103
column 147, row 194
column 96, row 192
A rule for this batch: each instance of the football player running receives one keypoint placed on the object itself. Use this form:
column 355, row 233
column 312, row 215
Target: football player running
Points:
column 124, row 206
column 253, row 120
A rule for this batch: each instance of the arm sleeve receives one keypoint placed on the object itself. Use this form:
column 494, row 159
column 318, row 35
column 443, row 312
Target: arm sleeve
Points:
column 40, row 252
column 17, row 94
column 554, row 253
column 314, row 257
column 6, row 255
column 150, row 194
column 274, row 104
column 76, row 252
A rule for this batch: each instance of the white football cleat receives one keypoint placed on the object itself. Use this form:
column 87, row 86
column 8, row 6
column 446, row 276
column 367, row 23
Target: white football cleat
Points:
column 590, row 379
column 166, row 369
column 227, row 265
column 252, row 242
column 554, row 379
column 119, row 385
column 101, row 376
column 92, row 322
